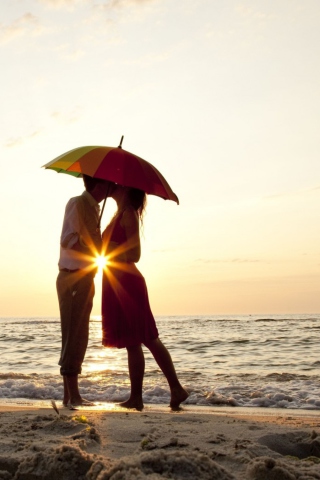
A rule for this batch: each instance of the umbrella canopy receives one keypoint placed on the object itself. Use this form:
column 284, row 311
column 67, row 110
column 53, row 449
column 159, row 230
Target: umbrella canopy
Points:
column 116, row 165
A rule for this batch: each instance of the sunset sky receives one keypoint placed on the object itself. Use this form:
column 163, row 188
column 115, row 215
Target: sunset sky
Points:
column 222, row 96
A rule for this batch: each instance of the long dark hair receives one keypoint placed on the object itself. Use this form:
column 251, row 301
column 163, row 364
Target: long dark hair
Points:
column 138, row 200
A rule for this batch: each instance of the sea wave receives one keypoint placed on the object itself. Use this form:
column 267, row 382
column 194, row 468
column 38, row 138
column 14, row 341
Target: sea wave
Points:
column 279, row 391
column 236, row 360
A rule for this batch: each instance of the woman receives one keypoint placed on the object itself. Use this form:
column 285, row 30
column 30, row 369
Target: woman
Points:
column 127, row 320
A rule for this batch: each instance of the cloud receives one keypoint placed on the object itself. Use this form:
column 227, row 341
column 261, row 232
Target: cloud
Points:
column 314, row 188
column 61, row 3
column 231, row 260
column 108, row 4
column 107, row 15
column 68, row 52
column 150, row 59
column 16, row 141
column 292, row 194
column 246, row 11
column 173, row 249
column 67, row 117
column 27, row 24
column 63, row 117
column 127, row 3
column 117, row 5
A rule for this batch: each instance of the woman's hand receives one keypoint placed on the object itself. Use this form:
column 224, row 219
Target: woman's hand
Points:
column 114, row 253
column 111, row 246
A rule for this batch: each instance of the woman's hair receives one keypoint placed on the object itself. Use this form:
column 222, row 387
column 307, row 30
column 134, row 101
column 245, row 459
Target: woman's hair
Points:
column 138, row 200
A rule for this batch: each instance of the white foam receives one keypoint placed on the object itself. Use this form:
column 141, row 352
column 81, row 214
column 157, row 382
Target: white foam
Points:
column 243, row 395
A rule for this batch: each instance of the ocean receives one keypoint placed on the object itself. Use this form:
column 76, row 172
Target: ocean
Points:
column 232, row 360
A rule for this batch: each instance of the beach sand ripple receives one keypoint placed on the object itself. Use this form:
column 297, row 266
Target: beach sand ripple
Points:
column 266, row 468
column 103, row 445
column 297, row 444
column 176, row 465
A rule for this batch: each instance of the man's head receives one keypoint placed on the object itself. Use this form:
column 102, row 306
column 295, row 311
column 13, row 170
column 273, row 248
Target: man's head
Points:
column 97, row 187
column 90, row 182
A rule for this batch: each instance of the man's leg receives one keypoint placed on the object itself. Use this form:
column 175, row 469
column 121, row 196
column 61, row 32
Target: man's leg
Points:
column 66, row 395
column 75, row 300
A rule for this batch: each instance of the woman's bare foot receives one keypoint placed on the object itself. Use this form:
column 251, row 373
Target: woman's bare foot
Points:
column 137, row 404
column 178, row 395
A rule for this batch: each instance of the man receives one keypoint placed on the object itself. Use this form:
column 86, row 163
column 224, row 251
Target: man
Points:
column 80, row 244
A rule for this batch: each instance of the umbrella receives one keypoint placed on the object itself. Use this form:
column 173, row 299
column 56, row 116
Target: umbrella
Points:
column 116, row 165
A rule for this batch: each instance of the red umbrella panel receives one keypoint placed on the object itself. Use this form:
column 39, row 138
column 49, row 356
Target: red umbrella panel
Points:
column 116, row 165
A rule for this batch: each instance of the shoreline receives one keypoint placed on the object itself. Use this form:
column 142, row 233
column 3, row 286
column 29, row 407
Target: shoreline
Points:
column 30, row 404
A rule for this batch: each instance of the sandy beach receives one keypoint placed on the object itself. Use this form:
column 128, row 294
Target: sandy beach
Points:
column 196, row 443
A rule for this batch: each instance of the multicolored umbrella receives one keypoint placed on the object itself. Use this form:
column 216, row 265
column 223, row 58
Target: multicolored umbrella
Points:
column 116, row 165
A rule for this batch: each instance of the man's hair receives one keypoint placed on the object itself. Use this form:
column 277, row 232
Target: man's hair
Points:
column 90, row 182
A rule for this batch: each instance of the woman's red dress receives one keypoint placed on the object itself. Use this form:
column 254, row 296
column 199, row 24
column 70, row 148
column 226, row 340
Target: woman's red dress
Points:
column 127, row 319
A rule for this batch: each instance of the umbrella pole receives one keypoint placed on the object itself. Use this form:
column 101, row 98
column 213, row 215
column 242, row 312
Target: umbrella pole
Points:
column 104, row 204
column 99, row 221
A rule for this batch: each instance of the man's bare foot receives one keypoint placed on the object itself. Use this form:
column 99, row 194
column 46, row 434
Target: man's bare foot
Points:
column 178, row 396
column 82, row 402
column 131, row 403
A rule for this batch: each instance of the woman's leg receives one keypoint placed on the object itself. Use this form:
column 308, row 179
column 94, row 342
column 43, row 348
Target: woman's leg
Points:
column 163, row 359
column 136, row 365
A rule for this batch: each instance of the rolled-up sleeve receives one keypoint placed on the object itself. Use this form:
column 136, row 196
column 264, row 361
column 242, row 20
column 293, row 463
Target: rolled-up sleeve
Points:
column 80, row 239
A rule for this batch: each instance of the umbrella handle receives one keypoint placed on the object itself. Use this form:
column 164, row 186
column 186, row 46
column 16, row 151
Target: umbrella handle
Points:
column 120, row 144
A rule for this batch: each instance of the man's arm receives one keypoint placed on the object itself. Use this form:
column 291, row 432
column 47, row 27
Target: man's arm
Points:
column 70, row 236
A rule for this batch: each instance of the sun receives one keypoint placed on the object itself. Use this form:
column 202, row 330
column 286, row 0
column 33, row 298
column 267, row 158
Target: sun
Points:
column 101, row 262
